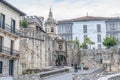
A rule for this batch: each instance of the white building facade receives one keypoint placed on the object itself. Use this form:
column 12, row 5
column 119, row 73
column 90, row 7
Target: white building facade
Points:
column 95, row 28
column 113, row 29
column 9, row 40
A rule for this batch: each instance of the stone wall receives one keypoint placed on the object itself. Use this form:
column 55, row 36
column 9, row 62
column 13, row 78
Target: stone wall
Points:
column 42, row 75
column 111, row 77
column 91, row 74
column 32, row 50
column 5, row 71
column 72, row 53
column 93, row 57
column 28, row 77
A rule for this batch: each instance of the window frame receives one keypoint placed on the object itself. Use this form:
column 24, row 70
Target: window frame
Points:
column 2, row 23
column 84, row 28
column 99, row 37
column 1, row 67
column 13, row 25
column 98, row 27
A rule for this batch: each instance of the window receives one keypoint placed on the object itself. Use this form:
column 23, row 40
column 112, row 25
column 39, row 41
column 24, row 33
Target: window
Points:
column 11, row 67
column 84, row 28
column 99, row 46
column 108, row 27
column 13, row 26
column 98, row 28
column 52, row 29
column 1, row 42
column 112, row 26
column 99, row 37
column 11, row 47
column 1, row 65
column 2, row 21
column 85, row 36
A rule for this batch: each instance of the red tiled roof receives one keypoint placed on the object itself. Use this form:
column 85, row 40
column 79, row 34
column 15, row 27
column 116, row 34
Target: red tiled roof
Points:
column 90, row 18
column 85, row 18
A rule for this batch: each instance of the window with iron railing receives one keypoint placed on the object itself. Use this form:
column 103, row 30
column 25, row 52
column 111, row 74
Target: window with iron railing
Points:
column 8, row 29
column 6, row 50
column 1, row 67
column 11, row 47
column 1, row 42
column 12, row 26
column 2, row 21
column 11, row 67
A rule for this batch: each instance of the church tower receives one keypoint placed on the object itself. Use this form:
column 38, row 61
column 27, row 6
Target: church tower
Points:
column 50, row 25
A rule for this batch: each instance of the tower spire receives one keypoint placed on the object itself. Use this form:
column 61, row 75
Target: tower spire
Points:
column 50, row 13
column 51, row 25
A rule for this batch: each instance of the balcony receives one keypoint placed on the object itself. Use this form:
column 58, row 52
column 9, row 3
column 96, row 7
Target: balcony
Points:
column 7, row 29
column 26, row 33
column 7, row 52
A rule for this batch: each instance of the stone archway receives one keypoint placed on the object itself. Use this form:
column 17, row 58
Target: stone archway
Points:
column 60, row 60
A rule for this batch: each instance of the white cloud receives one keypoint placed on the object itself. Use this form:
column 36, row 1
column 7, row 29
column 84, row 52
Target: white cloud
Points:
column 66, row 9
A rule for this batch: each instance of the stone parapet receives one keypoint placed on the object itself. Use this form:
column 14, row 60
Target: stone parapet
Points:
column 111, row 77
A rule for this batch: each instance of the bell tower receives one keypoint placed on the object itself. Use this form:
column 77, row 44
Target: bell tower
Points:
column 50, row 25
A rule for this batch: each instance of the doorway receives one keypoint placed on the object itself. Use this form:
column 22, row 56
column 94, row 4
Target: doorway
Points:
column 11, row 67
column 61, row 60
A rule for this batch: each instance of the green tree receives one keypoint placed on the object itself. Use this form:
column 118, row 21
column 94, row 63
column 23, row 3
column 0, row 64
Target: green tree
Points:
column 23, row 23
column 87, row 42
column 77, row 43
column 108, row 43
column 78, row 51
column 84, row 45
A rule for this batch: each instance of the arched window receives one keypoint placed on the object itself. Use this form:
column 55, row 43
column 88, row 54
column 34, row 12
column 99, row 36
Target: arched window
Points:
column 52, row 29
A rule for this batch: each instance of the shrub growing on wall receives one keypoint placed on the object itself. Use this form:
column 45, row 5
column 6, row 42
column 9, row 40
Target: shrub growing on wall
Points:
column 23, row 23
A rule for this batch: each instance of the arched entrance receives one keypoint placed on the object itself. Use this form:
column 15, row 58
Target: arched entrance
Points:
column 60, row 60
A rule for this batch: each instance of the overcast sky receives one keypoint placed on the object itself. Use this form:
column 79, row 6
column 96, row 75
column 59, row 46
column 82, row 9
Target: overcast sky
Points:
column 67, row 9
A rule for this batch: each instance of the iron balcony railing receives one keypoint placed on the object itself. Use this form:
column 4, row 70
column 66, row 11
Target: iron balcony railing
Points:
column 27, row 33
column 9, row 51
column 8, row 28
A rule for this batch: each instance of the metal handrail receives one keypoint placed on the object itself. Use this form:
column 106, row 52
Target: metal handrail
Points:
column 22, row 32
column 8, row 28
column 8, row 51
